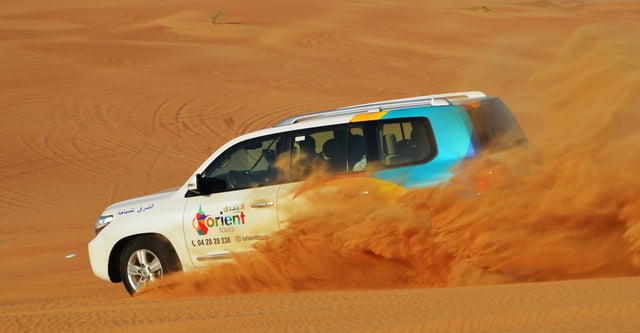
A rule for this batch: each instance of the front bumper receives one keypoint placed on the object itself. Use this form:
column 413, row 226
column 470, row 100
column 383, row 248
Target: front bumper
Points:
column 99, row 251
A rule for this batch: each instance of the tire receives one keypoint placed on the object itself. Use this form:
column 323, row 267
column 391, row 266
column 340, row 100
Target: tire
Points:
column 146, row 259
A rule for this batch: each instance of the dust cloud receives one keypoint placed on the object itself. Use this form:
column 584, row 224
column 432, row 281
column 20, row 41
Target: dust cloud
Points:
column 575, row 214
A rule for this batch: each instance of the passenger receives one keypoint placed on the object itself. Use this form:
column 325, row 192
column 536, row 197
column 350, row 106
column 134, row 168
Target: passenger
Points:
column 335, row 155
column 308, row 160
column 357, row 153
column 420, row 142
column 308, row 147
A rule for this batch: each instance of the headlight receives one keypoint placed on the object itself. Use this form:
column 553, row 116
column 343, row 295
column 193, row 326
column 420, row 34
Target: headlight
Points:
column 102, row 222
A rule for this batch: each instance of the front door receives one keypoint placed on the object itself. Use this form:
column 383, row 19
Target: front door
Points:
column 218, row 224
column 236, row 201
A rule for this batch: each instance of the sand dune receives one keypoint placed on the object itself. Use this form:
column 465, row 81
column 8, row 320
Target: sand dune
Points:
column 106, row 101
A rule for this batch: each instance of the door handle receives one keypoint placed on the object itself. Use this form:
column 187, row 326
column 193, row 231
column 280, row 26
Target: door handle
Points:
column 262, row 204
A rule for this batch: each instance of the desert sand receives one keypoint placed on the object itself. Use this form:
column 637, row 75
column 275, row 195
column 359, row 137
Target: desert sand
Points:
column 106, row 100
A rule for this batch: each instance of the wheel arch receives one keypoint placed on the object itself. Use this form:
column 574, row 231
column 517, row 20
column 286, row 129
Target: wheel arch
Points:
column 116, row 252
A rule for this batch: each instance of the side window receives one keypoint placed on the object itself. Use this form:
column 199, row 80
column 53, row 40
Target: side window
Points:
column 495, row 125
column 405, row 141
column 335, row 149
column 246, row 164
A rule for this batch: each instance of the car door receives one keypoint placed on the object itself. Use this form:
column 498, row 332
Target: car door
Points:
column 236, row 203
column 334, row 154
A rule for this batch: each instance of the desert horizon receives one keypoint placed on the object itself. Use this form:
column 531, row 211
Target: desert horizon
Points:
column 103, row 102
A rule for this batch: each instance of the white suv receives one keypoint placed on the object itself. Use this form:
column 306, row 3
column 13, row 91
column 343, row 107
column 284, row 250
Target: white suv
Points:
column 235, row 197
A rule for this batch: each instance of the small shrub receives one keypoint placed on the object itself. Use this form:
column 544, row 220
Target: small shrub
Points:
column 215, row 17
column 479, row 9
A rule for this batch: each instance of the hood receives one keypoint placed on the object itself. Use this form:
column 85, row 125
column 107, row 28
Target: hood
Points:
column 139, row 204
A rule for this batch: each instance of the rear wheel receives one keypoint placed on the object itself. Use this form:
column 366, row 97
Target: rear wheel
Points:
column 146, row 259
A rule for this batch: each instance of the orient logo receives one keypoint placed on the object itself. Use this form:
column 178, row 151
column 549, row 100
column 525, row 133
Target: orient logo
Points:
column 202, row 222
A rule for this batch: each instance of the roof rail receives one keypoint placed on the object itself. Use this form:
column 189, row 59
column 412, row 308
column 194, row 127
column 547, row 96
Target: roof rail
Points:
column 439, row 99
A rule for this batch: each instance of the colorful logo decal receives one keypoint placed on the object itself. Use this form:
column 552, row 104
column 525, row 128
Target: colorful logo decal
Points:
column 200, row 222
column 234, row 216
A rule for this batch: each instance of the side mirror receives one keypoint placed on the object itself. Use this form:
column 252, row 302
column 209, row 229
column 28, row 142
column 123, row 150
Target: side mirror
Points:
column 202, row 186
column 192, row 184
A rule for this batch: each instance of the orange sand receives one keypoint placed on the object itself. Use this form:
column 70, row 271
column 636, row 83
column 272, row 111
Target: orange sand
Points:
column 103, row 101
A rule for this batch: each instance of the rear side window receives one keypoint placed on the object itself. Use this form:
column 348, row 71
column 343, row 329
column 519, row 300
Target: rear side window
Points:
column 335, row 149
column 356, row 147
column 495, row 126
column 405, row 141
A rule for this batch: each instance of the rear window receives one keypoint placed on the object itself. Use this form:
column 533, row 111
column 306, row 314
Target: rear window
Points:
column 495, row 126
column 405, row 141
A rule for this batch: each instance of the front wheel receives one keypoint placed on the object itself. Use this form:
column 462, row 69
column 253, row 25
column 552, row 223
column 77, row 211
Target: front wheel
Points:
column 146, row 259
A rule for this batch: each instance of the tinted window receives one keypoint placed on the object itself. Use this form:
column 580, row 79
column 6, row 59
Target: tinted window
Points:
column 334, row 149
column 495, row 126
column 405, row 141
column 247, row 164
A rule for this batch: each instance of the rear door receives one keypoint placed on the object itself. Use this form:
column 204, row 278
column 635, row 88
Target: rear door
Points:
column 319, row 158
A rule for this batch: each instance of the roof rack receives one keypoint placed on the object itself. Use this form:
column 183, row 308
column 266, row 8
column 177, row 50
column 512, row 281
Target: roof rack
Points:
column 432, row 100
